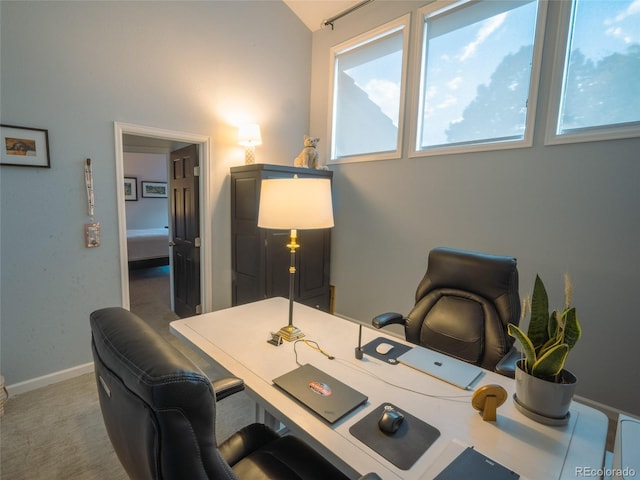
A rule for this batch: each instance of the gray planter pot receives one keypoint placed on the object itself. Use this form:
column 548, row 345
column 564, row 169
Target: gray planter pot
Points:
column 545, row 401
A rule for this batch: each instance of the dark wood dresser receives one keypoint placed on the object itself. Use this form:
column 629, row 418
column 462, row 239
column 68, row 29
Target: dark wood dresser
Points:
column 259, row 257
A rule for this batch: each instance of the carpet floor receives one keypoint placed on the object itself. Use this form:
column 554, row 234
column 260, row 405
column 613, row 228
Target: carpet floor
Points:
column 57, row 432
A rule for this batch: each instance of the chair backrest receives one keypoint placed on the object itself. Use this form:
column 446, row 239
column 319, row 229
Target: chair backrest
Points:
column 158, row 408
column 463, row 305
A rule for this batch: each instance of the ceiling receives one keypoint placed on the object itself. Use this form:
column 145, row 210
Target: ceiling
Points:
column 314, row 12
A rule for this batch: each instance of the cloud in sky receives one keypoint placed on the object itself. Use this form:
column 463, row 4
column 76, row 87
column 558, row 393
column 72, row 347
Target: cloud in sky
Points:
column 385, row 94
column 488, row 27
column 616, row 30
column 454, row 83
column 632, row 9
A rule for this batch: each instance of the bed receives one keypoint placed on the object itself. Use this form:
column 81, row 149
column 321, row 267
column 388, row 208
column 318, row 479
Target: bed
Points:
column 148, row 246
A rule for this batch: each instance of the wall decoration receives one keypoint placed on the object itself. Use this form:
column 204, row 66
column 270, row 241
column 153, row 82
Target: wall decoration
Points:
column 24, row 147
column 154, row 189
column 130, row 188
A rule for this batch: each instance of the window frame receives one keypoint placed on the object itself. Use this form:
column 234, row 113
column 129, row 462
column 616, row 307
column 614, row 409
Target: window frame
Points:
column 436, row 9
column 560, row 59
column 400, row 24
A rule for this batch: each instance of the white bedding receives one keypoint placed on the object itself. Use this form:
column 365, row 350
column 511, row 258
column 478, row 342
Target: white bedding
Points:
column 144, row 244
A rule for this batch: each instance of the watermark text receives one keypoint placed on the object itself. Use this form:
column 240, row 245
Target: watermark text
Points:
column 605, row 472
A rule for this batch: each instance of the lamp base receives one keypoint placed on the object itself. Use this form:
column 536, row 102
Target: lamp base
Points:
column 250, row 155
column 290, row 333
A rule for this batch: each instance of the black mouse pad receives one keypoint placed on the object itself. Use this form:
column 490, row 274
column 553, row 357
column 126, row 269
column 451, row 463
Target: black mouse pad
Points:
column 473, row 464
column 389, row 357
column 401, row 448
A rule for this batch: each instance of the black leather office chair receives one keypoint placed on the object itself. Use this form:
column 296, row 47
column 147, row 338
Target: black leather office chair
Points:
column 159, row 410
column 462, row 308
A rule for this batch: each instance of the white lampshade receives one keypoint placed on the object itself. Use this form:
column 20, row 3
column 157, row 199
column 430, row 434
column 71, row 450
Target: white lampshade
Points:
column 295, row 204
column 249, row 135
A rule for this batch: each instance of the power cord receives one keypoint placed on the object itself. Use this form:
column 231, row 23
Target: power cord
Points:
column 311, row 344
column 453, row 398
column 315, row 346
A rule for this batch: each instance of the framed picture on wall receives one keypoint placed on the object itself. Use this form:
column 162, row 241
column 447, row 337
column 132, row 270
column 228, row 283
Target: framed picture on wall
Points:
column 130, row 188
column 24, row 147
column 154, row 189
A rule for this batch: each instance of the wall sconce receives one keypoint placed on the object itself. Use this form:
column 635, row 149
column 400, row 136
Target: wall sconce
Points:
column 249, row 137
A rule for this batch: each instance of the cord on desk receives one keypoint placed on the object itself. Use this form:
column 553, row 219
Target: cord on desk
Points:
column 453, row 398
column 315, row 346
column 311, row 344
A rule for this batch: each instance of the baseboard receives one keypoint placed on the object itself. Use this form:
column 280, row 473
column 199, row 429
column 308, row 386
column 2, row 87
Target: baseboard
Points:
column 55, row 377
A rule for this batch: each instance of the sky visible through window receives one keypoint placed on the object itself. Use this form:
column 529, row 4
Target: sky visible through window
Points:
column 601, row 82
column 461, row 58
column 380, row 79
column 477, row 70
column 369, row 78
column 606, row 27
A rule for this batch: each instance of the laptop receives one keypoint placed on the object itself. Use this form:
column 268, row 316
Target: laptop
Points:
column 446, row 368
column 320, row 392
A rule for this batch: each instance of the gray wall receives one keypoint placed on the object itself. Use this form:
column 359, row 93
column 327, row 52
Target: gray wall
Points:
column 76, row 67
column 570, row 208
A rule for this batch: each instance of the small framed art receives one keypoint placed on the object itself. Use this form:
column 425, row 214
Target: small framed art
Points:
column 130, row 188
column 24, row 147
column 154, row 189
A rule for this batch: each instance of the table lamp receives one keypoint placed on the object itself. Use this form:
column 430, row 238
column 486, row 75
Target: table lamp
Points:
column 249, row 136
column 295, row 204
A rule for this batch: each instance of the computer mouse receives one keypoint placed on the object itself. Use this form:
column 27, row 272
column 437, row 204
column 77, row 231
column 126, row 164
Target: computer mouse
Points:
column 390, row 420
column 384, row 348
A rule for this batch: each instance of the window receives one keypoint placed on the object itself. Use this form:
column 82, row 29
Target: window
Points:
column 596, row 86
column 479, row 74
column 368, row 94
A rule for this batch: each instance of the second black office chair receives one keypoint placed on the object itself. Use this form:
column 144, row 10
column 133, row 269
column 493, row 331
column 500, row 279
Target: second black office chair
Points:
column 462, row 308
column 159, row 410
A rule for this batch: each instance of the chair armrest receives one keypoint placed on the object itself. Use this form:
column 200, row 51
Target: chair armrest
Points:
column 246, row 441
column 224, row 387
column 388, row 318
column 507, row 364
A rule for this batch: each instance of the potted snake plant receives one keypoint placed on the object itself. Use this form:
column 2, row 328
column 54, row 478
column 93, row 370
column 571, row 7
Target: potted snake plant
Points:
column 544, row 388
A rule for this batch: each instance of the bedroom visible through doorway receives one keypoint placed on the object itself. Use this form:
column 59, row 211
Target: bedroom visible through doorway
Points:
column 147, row 226
column 143, row 161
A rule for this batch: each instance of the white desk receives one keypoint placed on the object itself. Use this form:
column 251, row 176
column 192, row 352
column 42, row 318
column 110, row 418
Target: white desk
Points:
column 236, row 339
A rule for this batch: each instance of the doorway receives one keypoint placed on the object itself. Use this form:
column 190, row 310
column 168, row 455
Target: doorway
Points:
column 151, row 140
